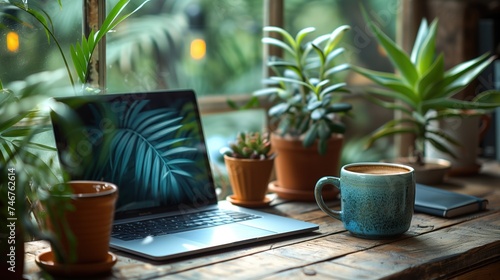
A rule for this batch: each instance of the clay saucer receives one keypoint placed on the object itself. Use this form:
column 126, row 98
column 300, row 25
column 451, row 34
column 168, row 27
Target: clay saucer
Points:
column 46, row 262
column 457, row 171
column 251, row 204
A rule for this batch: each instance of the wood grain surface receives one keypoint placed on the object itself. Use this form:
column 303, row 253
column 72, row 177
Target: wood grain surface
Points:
column 465, row 247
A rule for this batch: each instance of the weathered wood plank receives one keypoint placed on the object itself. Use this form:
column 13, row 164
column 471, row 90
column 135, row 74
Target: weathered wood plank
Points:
column 433, row 254
column 309, row 248
column 432, row 247
column 389, row 256
column 429, row 255
column 331, row 242
column 488, row 271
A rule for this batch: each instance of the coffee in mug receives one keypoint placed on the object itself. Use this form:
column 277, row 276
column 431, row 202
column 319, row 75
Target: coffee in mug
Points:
column 377, row 199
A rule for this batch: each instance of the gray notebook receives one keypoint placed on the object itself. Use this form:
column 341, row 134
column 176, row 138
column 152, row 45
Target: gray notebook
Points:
column 443, row 203
column 151, row 145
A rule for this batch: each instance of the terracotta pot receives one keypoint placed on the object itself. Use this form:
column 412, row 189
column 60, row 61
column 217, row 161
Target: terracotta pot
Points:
column 249, row 177
column 298, row 168
column 90, row 222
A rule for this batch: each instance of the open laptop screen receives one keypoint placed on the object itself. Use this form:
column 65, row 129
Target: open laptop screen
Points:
column 150, row 145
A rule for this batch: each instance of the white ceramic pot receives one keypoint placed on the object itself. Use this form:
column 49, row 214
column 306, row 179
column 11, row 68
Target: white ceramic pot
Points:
column 468, row 131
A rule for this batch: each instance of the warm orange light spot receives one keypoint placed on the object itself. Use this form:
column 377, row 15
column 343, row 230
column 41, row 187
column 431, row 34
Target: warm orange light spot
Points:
column 12, row 41
column 198, row 48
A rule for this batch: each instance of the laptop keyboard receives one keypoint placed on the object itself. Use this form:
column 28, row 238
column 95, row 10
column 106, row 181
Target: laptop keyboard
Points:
column 178, row 223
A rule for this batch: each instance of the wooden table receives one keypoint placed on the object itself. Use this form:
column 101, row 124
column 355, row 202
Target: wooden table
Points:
column 467, row 246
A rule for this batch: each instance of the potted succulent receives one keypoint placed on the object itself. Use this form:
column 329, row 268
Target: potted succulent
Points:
column 249, row 162
column 32, row 164
column 305, row 119
column 422, row 90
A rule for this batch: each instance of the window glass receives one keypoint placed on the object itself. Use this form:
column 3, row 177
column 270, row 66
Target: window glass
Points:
column 214, row 46
column 210, row 46
column 326, row 15
column 25, row 48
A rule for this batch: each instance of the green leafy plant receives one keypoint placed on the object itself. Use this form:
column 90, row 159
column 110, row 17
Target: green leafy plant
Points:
column 421, row 86
column 31, row 174
column 304, row 90
column 23, row 107
column 249, row 145
column 81, row 52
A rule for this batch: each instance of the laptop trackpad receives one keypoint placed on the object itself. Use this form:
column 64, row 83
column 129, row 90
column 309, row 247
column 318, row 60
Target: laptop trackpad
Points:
column 224, row 234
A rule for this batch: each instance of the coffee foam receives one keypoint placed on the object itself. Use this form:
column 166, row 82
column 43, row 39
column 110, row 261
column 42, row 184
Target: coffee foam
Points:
column 377, row 169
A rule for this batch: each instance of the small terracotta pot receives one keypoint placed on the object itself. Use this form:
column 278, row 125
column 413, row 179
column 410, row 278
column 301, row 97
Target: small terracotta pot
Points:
column 249, row 177
column 90, row 222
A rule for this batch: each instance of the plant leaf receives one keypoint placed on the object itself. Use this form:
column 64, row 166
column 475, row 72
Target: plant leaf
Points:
column 389, row 131
column 332, row 88
column 335, row 38
column 419, row 40
column 463, row 80
column 282, row 32
column 427, row 86
column 397, row 56
column 448, row 103
column 302, row 34
column 339, row 107
column 391, row 81
column 311, row 135
column 333, row 54
column 337, row 69
column 293, row 81
column 278, row 43
column 489, row 96
column 439, row 146
column 426, row 50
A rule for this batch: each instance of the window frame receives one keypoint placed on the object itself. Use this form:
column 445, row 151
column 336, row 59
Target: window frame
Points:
column 94, row 14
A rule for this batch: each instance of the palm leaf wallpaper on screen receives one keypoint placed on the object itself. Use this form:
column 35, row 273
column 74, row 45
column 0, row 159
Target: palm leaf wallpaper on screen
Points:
column 151, row 153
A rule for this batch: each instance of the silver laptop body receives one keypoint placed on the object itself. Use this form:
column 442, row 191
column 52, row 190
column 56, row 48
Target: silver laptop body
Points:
column 151, row 145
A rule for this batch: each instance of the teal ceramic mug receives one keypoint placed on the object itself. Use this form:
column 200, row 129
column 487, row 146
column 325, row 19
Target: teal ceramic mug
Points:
column 377, row 199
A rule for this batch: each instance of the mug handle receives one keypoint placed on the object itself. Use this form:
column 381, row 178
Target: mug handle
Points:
column 327, row 180
column 485, row 124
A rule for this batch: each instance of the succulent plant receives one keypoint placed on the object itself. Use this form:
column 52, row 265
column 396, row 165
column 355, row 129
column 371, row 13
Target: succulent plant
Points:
column 249, row 145
column 304, row 87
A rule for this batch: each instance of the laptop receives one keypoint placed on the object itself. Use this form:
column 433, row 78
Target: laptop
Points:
column 151, row 145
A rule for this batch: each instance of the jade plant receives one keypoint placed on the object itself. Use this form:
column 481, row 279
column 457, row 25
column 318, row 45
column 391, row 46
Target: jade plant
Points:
column 423, row 90
column 304, row 89
column 249, row 145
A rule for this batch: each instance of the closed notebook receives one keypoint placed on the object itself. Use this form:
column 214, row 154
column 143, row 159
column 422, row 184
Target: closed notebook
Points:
column 443, row 203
